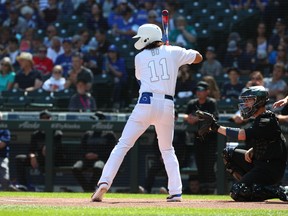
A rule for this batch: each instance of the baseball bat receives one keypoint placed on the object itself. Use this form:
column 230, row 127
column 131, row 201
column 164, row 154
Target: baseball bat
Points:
column 165, row 22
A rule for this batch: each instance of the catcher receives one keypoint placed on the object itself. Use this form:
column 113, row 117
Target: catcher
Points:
column 258, row 170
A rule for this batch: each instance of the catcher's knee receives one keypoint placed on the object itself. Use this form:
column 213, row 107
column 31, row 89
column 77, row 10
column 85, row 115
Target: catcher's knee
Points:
column 227, row 155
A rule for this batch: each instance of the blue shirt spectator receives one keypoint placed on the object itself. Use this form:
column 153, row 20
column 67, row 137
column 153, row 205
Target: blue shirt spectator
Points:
column 65, row 59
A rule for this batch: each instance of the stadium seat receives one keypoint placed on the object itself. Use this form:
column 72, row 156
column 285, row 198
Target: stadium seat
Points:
column 17, row 102
column 13, row 93
column 42, row 102
column 38, row 93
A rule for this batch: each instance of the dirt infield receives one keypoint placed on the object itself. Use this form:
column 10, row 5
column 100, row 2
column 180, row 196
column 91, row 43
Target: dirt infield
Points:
column 118, row 203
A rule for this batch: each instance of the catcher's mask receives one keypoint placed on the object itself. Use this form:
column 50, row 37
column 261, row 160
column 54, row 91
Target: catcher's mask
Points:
column 257, row 95
column 147, row 34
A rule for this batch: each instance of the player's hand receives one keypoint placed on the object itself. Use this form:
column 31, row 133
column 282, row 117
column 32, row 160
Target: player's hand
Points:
column 249, row 155
column 280, row 103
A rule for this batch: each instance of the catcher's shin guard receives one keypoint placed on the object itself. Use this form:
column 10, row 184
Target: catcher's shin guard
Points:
column 257, row 193
column 227, row 160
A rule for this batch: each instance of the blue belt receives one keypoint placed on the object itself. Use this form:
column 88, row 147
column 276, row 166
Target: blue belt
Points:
column 150, row 94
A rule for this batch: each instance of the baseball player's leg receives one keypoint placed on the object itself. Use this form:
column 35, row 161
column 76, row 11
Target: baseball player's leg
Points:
column 136, row 125
column 132, row 130
column 165, row 137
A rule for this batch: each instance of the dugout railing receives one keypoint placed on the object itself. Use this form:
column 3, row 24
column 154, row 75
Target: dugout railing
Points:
column 28, row 121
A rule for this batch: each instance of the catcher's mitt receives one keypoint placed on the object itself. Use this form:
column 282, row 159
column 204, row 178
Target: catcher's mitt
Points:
column 207, row 122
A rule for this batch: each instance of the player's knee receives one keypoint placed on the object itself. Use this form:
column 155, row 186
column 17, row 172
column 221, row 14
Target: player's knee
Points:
column 240, row 192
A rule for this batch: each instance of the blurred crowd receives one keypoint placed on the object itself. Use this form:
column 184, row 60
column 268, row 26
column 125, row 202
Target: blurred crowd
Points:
column 73, row 44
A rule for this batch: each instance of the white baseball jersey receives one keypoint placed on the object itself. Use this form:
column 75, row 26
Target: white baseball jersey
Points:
column 157, row 71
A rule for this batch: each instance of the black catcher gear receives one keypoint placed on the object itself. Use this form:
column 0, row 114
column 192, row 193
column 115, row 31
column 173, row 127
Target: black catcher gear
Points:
column 260, row 96
column 207, row 122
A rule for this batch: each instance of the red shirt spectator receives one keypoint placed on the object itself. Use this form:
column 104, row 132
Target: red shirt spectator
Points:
column 42, row 62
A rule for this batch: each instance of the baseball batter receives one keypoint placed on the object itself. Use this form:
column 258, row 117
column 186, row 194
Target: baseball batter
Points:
column 156, row 68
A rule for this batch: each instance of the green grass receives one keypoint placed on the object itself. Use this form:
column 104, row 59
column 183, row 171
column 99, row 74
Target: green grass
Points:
column 30, row 210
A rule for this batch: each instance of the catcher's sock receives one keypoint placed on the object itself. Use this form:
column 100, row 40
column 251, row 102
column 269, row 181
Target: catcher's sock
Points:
column 174, row 198
column 97, row 196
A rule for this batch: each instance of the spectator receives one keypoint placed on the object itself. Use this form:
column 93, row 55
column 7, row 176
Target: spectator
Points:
column 27, row 79
column 114, row 65
column 183, row 35
column 97, row 50
column 247, row 59
column 26, row 40
column 262, row 63
column 96, row 19
column 82, row 101
column 185, row 84
column 84, row 9
column 55, row 49
column 51, row 32
column 282, row 56
column 193, row 186
column 276, row 86
column 214, row 91
column 274, row 10
column 65, row 59
column 280, row 32
column 115, row 14
column 66, row 10
column 3, row 51
column 77, row 43
column 50, row 13
column 205, row 148
column 96, row 147
column 256, row 79
column 7, row 74
column 6, row 35
column 126, row 26
column 15, row 22
column 211, row 66
column 13, row 50
column 77, row 72
column 42, row 63
column 107, row 7
column 35, row 159
column 172, row 6
column 28, row 14
column 232, row 55
column 93, row 60
column 153, row 18
column 102, row 42
column 5, row 138
column 232, row 88
column 85, row 39
column 56, row 82
column 261, row 38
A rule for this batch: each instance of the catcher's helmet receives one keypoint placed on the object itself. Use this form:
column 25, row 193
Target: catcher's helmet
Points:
column 260, row 96
column 147, row 34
